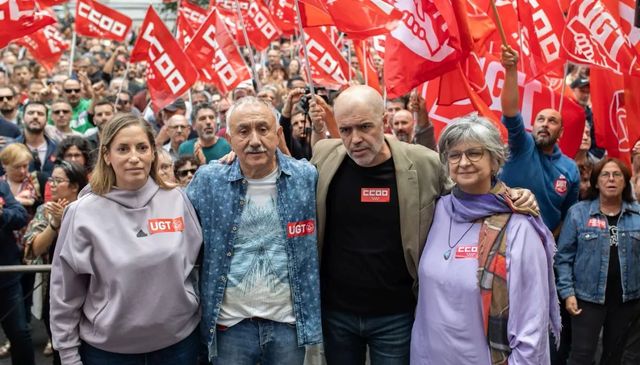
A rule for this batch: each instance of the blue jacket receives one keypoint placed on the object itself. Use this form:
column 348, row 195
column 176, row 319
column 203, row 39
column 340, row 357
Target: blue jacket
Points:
column 13, row 217
column 218, row 193
column 582, row 260
column 48, row 164
column 554, row 179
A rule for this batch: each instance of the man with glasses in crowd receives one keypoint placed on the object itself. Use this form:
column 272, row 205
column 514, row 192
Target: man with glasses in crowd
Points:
column 178, row 129
column 73, row 95
column 9, row 105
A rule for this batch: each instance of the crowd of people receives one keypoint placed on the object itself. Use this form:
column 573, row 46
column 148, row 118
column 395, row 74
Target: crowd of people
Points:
column 232, row 229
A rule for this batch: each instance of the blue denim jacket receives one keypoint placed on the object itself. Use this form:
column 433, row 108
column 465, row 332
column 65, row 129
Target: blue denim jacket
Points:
column 582, row 260
column 218, row 193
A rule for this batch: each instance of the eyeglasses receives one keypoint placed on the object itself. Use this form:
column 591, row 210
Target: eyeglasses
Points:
column 472, row 154
column 71, row 91
column 185, row 173
column 179, row 127
column 55, row 182
column 72, row 156
column 61, row 111
column 123, row 102
column 6, row 97
column 608, row 175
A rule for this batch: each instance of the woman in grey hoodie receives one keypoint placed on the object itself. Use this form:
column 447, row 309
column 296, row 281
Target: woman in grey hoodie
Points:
column 122, row 288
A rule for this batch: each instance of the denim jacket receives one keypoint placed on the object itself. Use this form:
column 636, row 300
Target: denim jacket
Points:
column 582, row 260
column 218, row 194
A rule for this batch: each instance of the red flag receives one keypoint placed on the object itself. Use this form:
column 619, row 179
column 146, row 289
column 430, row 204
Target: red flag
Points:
column 46, row 46
column 481, row 24
column 184, row 31
column 261, row 28
column 19, row 18
column 615, row 131
column 313, row 13
column 49, row 3
column 366, row 61
column 593, row 36
column 361, row 19
column 423, row 47
column 232, row 22
column 378, row 43
column 328, row 67
column 542, row 22
column 193, row 14
column 284, row 15
column 623, row 12
column 214, row 53
column 534, row 96
column 94, row 19
column 170, row 73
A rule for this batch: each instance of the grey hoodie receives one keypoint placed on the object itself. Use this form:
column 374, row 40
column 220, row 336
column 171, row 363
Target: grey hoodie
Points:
column 122, row 272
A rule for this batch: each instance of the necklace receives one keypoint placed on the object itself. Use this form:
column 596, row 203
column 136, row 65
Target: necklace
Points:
column 447, row 253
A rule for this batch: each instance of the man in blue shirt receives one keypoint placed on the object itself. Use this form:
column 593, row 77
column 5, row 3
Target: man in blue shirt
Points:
column 536, row 162
column 260, row 284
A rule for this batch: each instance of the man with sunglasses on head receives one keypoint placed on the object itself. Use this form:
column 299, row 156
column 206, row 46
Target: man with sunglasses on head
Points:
column 73, row 94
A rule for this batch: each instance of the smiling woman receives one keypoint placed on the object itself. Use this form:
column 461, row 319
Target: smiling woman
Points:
column 128, row 243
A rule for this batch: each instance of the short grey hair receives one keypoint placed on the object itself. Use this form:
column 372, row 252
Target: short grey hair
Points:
column 473, row 128
column 247, row 101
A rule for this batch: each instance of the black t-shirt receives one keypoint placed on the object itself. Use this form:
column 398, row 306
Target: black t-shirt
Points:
column 613, row 293
column 363, row 268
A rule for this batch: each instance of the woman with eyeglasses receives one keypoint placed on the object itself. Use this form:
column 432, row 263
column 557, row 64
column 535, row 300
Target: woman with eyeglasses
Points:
column 67, row 180
column 598, row 266
column 184, row 169
column 122, row 277
column 486, row 287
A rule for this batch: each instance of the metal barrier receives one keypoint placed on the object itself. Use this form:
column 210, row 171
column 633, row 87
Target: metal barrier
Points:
column 24, row 268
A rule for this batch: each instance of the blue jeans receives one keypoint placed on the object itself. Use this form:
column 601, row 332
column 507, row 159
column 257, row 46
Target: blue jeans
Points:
column 258, row 340
column 15, row 324
column 184, row 352
column 346, row 337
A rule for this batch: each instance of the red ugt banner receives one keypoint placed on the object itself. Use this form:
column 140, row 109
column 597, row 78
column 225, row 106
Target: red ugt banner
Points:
column 170, row 74
column 99, row 21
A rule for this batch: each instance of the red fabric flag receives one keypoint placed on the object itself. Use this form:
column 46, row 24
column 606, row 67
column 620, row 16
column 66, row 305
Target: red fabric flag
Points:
column 261, row 28
column 378, row 44
column 328, row 67
column 593, row 36
column 365, row 61
column 615, row 131
column 623, row 11
column 49, row 3
column 481, row 24
column 45, row 46
column 214, row 53
column 424, row 46
column 184, row 31
column 96, row 20
column 534, row 96
column 361, row 19
column 542, row 22
column 314, row 14
column 170, row 73
column 472, row 74
column 284, row 15
column 19, row 18
column 232, row 22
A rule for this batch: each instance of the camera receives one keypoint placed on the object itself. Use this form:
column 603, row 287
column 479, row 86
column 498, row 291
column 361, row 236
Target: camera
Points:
column 304, row 100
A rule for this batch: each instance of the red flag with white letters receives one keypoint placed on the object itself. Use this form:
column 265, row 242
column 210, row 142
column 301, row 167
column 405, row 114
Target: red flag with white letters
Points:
column 314, row 14
column 170, row 73
column 190, row 18
column 49, row 3
column 214, row 53
column 425, row 45
column 361, row 19
column 19, row 18
column 45, row 46
column 534, row 96
column 284, row 15
column 261, row 28
column 94, row 19
column 232, row 22
column 328, row 67
column 184, row 31
column 593, row 36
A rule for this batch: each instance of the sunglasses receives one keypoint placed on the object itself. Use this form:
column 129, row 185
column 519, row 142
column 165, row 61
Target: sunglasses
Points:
column 6, row 97
column 185, row 173
column 70, row 91
column 61, row 111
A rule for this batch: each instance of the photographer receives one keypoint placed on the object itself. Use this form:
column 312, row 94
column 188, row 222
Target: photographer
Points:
column 296, row 120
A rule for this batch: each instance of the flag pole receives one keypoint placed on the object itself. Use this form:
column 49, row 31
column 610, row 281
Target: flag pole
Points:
column 304, row 48
column 73, row 51
column 248, row 45
column 503, row 36
column 124, row 79
column 365, row 64
column 349, row 58
column 564, row 86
